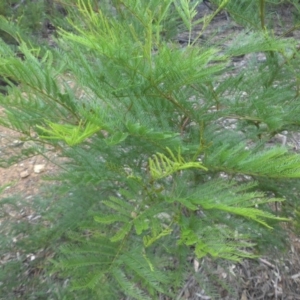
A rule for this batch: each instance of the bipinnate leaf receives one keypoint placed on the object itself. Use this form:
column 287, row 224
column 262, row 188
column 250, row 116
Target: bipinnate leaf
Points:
column 122, row 232
column 161, row 166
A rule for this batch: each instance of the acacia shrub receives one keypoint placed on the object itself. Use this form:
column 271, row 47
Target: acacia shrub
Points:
column 167, row 147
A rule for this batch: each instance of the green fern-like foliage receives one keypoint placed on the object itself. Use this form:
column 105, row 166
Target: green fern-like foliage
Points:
column 161, row 166
column 166, row 147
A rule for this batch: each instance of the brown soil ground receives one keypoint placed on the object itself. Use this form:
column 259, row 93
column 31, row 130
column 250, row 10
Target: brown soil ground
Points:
column 24, row 177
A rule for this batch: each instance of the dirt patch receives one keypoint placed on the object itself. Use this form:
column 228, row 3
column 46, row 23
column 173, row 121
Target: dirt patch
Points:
column 25, row 177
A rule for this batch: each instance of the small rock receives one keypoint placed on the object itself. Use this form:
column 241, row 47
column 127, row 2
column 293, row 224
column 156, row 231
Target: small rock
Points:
column 12, row 213
column 17, row 143
column 29, row 145
column 38, row 168
column 24, row 174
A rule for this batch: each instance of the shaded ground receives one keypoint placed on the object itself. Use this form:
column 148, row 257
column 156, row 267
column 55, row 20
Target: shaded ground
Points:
column 24, row 177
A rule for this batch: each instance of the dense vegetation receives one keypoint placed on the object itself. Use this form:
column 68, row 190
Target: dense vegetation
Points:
column 166, row 147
